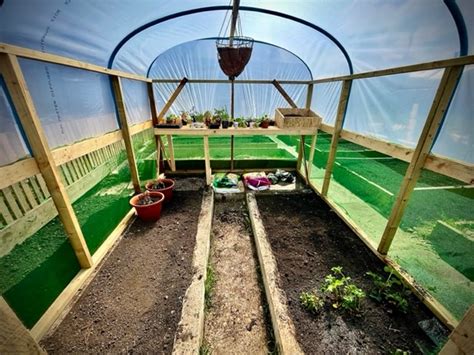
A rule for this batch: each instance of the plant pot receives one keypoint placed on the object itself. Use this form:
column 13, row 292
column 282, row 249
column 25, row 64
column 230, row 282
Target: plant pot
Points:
column 151, row 212
column 214, row 125
column 265, row 124
column 167, row 191
column 225, row 124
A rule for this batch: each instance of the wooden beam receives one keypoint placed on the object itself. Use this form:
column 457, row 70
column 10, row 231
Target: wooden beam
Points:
column 69, row 62
column 14, row 337
column 341, row 112
column 284, row 93
column 272, row 130
column 309, row 96
column 461, row 340
column 173, row 97
column 438, row 64
column 151, row 99
column 311, row 153
column 226, row 81
column 159, row 147
column 126, row 135
column 16, row 84
column 207, row 160
column 140, row 127
column 17, row 171
column 437, row 112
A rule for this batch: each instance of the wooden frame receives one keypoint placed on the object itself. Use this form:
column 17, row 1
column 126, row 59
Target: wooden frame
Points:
column 433, row 122
column 341, row 112
column 11, row 71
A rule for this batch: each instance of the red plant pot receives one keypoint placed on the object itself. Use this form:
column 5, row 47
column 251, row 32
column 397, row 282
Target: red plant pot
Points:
column 150, row 212
column 265, row 124
column 167, row 191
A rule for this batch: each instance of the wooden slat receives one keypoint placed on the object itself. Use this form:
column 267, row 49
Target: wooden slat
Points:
column 461, row 340
column 159, row 145
column 309, row 96
column 171, row 152
column 43, row 186
column 5, row 211
column 14, row 337
column 122, row 113
column 56, row 59
column 272, row 130
column 438, row 109
column 140, row 127
column 341, row 112
column 18, row 171
column 17, row 87
column 151, row 99
column 12, row 203
column 29, row 194
column 207, row 160
column 311, row 153
column 36, row 188
column 20, row 197
column 173, row 97
column 284, row 93
column 227, row 82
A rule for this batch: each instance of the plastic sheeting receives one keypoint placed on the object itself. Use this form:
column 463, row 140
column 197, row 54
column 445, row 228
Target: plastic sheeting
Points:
column 11, row 142
column 72, row 104
column 456, row 137
column 136, row 99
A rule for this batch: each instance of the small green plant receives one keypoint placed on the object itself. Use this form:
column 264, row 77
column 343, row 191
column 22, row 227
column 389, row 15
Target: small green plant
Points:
column 209, row 285
column 199, row 117
column 204, row 349
column 311, row 302
column 222, row 114
column 344, row 294
column 389, row 289
column 241, row 122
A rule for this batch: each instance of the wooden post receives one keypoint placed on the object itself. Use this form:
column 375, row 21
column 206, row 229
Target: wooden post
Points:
column 151, row 99
column 158, row 154
column 16, row 84
column 207, row 160
column 173, row 97
column 311, row 153
column 341, row 112
column 432, row 124
column 14, row 337
column 461, row 340
column 284, row 93
column 127, row 138
column 232, row 113
column 309, row 96
column 171, row 152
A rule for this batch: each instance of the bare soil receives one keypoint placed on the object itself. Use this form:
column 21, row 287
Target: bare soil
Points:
column 235, row 320
column 133, row 305
column 307, row 239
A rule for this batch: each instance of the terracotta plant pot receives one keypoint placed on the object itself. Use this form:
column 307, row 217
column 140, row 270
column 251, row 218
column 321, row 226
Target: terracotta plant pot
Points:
column 167, row 191
column 151, row 212
column 265, row 124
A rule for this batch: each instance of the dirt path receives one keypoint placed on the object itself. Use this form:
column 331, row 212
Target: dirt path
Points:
column 134, row 302
column 235, row 321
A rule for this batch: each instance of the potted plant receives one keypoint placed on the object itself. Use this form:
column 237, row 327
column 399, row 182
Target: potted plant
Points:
column 264, row 121
column 207, row 118
column 148, row 205
column 185, row 118
column 171, row 119
column 223, row 116
column 165, row 186
column 198, row 120
column 241, row 123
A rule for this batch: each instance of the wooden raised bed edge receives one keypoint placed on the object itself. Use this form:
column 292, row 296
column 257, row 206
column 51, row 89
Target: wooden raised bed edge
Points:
column 283, row 327
column 189, row 335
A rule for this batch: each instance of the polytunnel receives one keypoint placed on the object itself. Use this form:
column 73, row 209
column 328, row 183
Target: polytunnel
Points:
column 320, row 201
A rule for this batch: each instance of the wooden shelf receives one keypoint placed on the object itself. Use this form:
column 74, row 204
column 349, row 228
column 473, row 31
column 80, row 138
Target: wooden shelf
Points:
column 272, row 130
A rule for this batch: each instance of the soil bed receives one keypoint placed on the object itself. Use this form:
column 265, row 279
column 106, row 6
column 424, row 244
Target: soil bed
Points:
column 134, row 302
column 307, row 239
column 235, row 321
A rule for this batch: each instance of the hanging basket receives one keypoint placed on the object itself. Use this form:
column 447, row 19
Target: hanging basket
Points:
column 234, row 54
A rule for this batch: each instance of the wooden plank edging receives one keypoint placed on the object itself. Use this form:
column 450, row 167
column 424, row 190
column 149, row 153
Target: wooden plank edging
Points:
column 283, row 328
column 188, row 337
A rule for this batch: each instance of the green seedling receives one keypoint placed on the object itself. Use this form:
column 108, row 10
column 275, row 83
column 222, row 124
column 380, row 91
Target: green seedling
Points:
column 389, row 289
column 209, row 285
column 344, row 294
column 311, row 302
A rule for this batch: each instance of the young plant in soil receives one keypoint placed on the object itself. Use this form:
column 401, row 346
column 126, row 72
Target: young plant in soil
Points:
column 311, row 302
column 389, row 289
column 343, row 294
column 145, row 199
column 158, row 185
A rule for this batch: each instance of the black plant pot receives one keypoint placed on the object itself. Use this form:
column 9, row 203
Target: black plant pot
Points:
column 225, row 124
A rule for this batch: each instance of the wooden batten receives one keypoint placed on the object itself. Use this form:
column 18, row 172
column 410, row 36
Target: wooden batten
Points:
column 171, row 152
column 173, row 97
column 69, row 62
column 461, row 340
column 126, row 134
column 438, row 109
column 341, row 112
column 207, row 160
column 151, row 99
column 16, row 84
column 284, row 93
column 309, row 96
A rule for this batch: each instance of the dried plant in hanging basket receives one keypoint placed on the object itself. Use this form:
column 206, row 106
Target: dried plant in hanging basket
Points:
column 234, row 54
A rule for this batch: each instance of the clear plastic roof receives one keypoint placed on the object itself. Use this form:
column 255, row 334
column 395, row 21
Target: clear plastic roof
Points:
column 295, row 40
